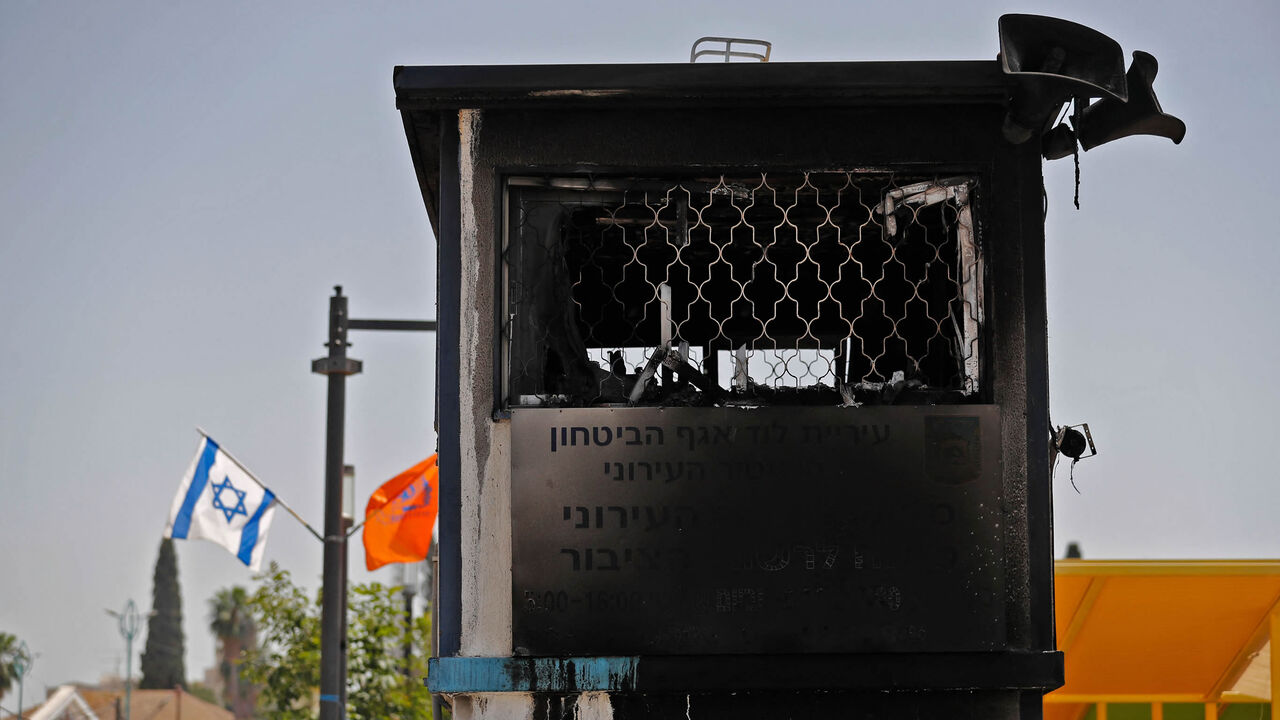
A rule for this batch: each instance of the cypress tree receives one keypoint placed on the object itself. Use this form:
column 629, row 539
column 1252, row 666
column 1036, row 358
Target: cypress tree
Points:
column 163, row 665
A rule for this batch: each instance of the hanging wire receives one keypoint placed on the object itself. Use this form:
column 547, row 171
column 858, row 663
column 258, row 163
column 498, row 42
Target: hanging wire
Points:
column 1078, row 112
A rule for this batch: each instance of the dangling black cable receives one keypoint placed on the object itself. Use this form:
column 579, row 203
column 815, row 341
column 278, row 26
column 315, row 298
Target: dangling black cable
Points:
column 1077, row 113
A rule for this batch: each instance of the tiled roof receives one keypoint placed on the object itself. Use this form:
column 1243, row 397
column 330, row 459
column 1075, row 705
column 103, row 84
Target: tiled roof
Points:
column 145, row 705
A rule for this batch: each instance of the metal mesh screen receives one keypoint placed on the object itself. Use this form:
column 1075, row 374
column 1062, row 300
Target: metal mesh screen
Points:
column 814, row 288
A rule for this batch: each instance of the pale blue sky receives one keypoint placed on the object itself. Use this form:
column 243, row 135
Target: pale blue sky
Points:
column 181, row 184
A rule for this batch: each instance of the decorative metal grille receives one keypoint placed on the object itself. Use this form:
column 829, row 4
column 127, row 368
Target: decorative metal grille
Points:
column 814, row 288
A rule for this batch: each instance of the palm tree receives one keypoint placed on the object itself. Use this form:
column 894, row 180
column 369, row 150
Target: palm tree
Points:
column 8, row 653
column 232, row 623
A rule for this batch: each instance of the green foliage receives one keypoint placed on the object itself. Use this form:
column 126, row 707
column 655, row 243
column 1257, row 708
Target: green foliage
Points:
column 376, row 665
column 229, row 614
column 287, row 663
column 9, row 649
column 163, row 661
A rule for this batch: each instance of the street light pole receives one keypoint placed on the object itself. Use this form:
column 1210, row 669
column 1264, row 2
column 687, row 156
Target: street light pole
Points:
column 129, row 622
column 333, row 631
column 408, row 578
column 333, row 642
column 348, row 519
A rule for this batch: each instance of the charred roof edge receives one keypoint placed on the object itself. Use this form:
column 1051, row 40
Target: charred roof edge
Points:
column 445, row 87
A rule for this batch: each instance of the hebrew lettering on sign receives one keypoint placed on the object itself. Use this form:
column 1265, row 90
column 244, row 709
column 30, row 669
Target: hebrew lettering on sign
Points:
column 734, row 530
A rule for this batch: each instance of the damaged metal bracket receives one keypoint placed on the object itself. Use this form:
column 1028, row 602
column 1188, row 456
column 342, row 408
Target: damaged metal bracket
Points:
column 727, row 52
column 1069, row 441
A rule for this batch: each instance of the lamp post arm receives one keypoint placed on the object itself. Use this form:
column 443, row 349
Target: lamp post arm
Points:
column 419, row 325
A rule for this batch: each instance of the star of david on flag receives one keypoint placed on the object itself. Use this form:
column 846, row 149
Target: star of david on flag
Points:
column 221, row 502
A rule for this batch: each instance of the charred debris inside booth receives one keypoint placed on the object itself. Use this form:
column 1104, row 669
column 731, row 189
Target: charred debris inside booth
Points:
column 751, row 288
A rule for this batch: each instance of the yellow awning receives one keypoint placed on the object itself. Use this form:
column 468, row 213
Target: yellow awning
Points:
column 1164, row 631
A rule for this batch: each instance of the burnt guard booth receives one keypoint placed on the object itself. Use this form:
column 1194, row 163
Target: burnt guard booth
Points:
column 743, row 402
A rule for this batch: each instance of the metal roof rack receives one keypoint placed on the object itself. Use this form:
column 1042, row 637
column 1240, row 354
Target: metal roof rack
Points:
column 727, row 52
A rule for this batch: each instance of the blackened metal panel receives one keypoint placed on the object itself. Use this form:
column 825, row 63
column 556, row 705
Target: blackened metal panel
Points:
column 1036, row 334
column 767, row 530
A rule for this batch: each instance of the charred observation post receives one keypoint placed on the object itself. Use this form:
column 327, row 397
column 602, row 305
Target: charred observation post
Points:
column 743, row 384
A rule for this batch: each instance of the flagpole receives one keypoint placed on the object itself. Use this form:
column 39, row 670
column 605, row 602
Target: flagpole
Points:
column 254, row 478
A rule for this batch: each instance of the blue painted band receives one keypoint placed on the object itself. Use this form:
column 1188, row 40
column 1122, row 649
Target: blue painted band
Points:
column 329, row 698
column 182, row 523
column 249, row 534
column 508, row 674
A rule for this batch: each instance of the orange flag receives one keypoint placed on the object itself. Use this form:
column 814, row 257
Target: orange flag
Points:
column 400, row 516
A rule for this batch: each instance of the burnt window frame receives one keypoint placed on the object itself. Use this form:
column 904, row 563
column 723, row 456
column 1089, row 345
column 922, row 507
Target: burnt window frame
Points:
column 907, row 182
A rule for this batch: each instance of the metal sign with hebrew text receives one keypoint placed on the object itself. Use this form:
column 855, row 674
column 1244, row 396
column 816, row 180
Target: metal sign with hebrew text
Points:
column 765, row 530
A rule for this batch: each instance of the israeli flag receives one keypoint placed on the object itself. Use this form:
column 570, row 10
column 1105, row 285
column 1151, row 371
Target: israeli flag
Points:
column 221, row 502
